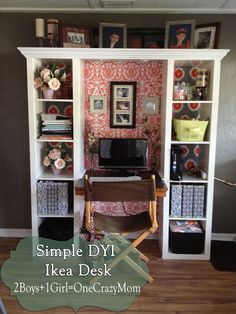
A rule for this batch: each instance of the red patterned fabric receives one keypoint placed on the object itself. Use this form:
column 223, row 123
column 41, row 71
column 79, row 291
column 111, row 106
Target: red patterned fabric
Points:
column 119, row 209
column 97, row 78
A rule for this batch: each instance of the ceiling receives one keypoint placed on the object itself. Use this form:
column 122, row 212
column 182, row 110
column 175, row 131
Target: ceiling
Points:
column 121, row 6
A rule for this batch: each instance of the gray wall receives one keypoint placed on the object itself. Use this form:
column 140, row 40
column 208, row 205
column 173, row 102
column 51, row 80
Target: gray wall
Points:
column 17, row 30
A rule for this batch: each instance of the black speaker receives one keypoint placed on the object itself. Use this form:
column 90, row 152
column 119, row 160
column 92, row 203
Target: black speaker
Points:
column 176, row 163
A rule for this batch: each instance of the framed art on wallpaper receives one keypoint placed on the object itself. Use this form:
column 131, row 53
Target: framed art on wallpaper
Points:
column 150, row 105
column 123, row 104
column 179, row 34
column 98, row 104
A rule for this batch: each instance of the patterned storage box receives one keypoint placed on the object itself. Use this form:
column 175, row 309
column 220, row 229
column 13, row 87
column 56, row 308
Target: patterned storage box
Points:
column 187, row 201
column 176, row 200
column 198, row 201
column 186, row 237
column 52, row 198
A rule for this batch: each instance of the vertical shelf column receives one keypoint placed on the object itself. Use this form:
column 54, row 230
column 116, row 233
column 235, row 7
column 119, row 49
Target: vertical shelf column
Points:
column 167, row 147
column 78, row 114
column 31, row 64
column 212, row 151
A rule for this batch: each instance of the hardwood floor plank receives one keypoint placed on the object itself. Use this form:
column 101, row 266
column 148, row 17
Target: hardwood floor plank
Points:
column 180, row 287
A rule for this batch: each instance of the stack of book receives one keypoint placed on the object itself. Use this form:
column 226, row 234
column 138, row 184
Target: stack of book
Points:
column 54, row 126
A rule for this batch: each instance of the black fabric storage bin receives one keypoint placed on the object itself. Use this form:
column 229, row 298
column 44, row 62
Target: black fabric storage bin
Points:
column 186, row 242
column 60, row 229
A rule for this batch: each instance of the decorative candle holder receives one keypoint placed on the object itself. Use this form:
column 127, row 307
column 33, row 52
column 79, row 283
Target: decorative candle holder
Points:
column 199, row 93
column 40, row 31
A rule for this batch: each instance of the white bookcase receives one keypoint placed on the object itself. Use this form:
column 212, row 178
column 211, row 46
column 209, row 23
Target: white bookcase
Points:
column 207, row 58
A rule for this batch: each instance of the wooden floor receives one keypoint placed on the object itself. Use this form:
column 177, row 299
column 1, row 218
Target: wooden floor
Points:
column 188, row 287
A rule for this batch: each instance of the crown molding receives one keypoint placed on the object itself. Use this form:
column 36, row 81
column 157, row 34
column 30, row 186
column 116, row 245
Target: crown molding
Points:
column 117, row 10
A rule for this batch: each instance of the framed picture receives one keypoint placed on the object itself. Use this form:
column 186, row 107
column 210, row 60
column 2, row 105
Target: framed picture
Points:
column 98, row 104
column 75, row 36
column 179, row 34
column 207, row 35
column 145, row 37
column 150, row 105
column 123, row 105
column 112, row 35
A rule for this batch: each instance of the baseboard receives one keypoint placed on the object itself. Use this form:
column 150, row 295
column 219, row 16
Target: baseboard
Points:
column 15, row 233
column 224, row 237
column 23, row 233
column 134, row 235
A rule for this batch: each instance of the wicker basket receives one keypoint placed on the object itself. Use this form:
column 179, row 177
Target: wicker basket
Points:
column 190, row 130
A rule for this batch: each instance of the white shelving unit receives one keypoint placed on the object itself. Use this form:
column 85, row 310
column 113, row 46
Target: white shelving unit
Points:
column 210, row 58
column 208, row 109
column 37, row 105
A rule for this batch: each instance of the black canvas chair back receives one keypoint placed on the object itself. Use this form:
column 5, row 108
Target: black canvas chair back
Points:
column 125, row 191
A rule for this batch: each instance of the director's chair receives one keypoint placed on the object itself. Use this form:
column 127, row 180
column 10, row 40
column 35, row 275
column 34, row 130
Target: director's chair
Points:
column 125, row 191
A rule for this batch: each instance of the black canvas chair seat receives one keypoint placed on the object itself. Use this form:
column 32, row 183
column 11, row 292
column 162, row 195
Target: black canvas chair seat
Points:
column 122, row 224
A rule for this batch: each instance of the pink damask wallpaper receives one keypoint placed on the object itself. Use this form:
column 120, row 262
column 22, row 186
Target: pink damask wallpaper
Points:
column 97, row 78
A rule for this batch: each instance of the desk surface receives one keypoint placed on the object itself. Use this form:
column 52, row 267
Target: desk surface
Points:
column 160, row 185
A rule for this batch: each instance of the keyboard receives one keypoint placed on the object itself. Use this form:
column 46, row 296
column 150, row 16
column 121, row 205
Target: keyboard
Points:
column 114, row 179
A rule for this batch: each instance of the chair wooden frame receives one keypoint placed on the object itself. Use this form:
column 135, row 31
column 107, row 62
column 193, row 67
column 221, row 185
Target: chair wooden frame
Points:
column 142, row 190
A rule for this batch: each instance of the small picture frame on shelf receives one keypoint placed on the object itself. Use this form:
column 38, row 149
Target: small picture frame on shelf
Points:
column 73, row 36
column 179, row 34
column 123, row 104
column 150, row 105
column 206, row 36
column 98, row 104
column 112, row 35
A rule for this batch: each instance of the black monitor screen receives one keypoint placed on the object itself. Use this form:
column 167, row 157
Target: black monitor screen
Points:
column 122, row 153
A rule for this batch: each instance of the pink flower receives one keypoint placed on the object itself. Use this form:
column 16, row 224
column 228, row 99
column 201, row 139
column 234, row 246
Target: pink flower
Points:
column 38, row 82
column 46, row 161
column 54, row 84
column 60, row 163
column 54, row 154
column 46, row 75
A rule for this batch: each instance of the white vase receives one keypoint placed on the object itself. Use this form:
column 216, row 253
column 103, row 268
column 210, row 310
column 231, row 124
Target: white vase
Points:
column 48, row 93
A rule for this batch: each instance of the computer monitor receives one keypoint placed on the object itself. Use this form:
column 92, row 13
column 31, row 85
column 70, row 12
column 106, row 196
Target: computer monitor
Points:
column 123, row 153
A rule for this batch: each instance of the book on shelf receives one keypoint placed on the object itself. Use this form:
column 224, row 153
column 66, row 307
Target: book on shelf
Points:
column 53, row 117
column 57, row 122
column 55, row 137
column 56, row 125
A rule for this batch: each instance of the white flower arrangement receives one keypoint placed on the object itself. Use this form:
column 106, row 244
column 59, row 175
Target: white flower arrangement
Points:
column 49, row 76
column 57, row 157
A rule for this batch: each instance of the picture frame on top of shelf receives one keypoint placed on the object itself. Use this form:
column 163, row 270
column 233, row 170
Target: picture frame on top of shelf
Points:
column 72, row 36
column 179, row 34
column 150, row 105
column 98, row 104
column 206, row 36
column 112, row 35
column 123, row 104
column 145, row 37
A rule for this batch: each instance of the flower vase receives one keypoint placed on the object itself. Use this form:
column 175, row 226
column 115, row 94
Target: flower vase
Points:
column 55, row 170
column 48, row 93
